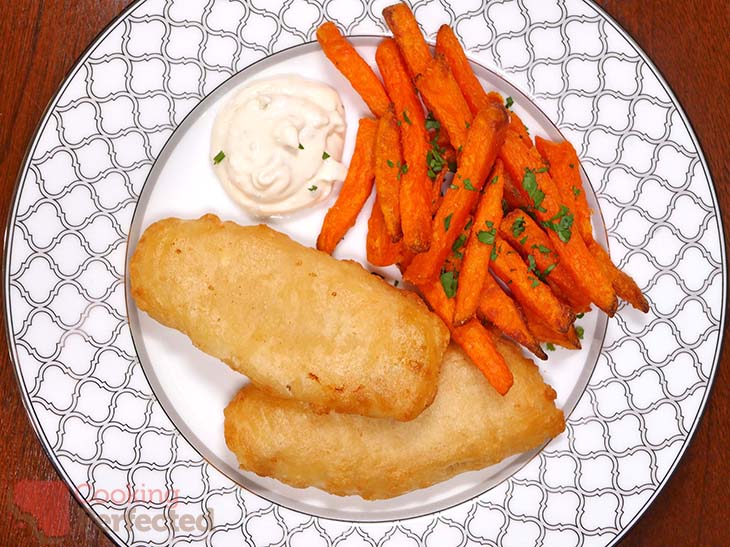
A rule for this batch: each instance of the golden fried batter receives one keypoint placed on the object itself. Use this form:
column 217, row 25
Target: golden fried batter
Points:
column 469, row 426
column 296, row 321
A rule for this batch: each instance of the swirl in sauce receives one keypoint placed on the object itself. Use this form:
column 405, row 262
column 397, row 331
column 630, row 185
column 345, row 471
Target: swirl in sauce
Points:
column 277, row 144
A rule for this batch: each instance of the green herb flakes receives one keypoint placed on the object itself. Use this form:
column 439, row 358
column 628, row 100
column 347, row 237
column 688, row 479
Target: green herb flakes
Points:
column 450, row 283
column 218, row 157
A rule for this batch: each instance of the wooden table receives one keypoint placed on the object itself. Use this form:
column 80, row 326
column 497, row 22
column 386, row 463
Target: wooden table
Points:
column 686, row 40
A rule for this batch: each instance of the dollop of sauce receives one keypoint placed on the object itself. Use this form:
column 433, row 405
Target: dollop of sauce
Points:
column 277, row 144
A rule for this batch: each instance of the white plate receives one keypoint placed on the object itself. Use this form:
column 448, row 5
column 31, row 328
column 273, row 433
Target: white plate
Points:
column 121, row 403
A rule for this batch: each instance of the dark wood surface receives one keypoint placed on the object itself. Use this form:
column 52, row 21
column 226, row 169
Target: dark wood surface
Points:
column 687, row 40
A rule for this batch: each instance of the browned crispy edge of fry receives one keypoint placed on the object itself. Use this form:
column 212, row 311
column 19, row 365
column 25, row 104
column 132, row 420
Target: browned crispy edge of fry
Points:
column 623, row 283
column 407, row 34
column 546, row 334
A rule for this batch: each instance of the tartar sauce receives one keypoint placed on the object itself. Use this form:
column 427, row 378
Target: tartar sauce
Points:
column 277, row 144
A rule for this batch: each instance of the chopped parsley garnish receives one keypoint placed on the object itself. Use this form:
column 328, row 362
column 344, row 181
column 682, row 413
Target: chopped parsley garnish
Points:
column 580, row 315
column 432, row 124
column 529, row 183
column 406, row 118
column 550, row 346
column 468, row 224
column 546, row 271
column 450, row 283
column 487, row 236
column 435, row 160
column 447, row 222
column 541, row 170
column 404, row 169
column 531, row 263
column 468, row 185
column 561, row 223
column 579, row 331
column 390, row 163
column 523, row 240
column 518, row 226
column 467, row 124
column 218, row 157
column 494, row 180
column 325, row 155
column 495, row 252
column 509, row 102
column 312, row 188
column 453, row 186
column 459, row 243
column 301, row 147
column 534, row 281
column 544, row 250
column 576, row 191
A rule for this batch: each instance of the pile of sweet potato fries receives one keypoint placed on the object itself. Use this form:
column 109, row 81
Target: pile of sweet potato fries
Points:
column 505, row 242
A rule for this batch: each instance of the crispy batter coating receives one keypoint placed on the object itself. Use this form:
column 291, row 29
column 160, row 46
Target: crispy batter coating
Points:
column 296, row 321
column 469, row 426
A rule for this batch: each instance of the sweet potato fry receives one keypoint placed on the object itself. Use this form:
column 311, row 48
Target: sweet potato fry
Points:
column 496, row 307
column 519, row 128
column 525, row 164
column 565, row 171
column 564, row 168
column 381, row 251
column 473, row 338
column 407, row 34
column 389, row 168
column 442, row 95
column 479, row 246
column 545, row 334
column 531, row 293
column 623, row 284
column 415, row 206
column 353, row 67
column 355, row 189
column 436, row 191
column 523, row 233
column 485, row 137
column 448, row 46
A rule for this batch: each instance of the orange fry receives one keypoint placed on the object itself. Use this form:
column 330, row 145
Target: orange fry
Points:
column 389, row 168
column 479, row 246
column 407, row 34
column 353, row 67
column 485, row 138
column 523, row 233
column 355, row 189
column 436, row 192
column 448, row 46
column 565, row 171
column 415, row 206
column 623, row 284
column 473, row 338
column 546, row 334
column 496, row 307
column 442, row 95
column 531, row 293
column 519, row 128
column 381, row 251
column 537, row 187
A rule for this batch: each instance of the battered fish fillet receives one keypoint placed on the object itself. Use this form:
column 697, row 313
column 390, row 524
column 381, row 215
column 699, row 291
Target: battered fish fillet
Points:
column 469, row 426
column 296, row 321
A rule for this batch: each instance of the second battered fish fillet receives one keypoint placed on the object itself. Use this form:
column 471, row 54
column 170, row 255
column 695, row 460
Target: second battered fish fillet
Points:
column 296, row 321
column 469, row 426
